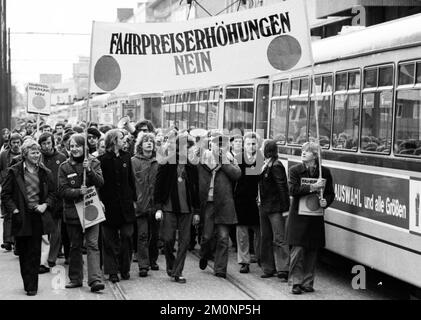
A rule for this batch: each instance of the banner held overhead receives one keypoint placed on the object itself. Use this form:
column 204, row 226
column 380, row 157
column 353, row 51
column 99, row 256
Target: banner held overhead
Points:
column 156, row 57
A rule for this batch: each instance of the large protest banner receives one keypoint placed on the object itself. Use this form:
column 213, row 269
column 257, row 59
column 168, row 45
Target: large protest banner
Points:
column 156, row 57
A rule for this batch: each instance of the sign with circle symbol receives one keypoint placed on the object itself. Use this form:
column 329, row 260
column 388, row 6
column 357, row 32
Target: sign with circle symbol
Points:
column 39, row 96
column 312, row 202
column 90, row 210
column 284, row 52
column 107, row 73
column 91, row 213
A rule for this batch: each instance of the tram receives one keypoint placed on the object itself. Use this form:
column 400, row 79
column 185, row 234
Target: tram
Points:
column 368, row 90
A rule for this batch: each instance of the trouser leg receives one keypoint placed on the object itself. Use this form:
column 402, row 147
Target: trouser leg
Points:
column 310, row 260
column 126, row 247
column 168, row 230
column 206, row 249
column 153, row 239
column 280, row 247
column 222, row 243
column 110, row 249
column 296, row 267
column 94, row 271
column 75, row 255
column 142, row 242
column 266, row 247
column 55, row 241
column 184, row 222
column 243, row 252
column 29, row 260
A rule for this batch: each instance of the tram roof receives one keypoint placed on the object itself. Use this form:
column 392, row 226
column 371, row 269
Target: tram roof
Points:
column 394, row 34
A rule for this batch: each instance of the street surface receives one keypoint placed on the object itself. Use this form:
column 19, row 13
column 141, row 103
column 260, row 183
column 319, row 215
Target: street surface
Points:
column 332, row 283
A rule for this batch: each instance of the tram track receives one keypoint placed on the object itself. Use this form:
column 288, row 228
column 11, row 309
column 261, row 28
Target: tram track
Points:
column 118, row 291
column 238, row 284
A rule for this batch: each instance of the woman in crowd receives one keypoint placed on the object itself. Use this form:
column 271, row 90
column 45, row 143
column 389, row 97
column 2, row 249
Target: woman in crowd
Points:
column 274, row 205
column 305, row 233
column 72, row 190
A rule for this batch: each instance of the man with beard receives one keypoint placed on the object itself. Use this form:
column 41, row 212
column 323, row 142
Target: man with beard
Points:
column 6, row 158
column 52, row 160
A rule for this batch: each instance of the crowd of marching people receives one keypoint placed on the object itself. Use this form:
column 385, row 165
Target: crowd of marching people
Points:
column 162, row 190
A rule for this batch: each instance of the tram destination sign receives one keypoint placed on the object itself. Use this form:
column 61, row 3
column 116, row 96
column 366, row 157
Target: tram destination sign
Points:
column 156, row 57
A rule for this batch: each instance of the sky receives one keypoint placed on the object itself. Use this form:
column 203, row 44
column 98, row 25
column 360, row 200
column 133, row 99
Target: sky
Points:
column 33, row 54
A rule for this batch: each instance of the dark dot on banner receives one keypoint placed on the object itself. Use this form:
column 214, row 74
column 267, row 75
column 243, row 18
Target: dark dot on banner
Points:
column 38, row 102
column 284, row 52
column 91, row 213
column 312, row 202
column 107, row 73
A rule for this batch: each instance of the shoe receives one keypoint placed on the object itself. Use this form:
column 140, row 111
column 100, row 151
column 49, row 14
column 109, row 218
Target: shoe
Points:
column 296, row 289
column 66, row 261
column 253, row 260
column 16, row 252
column 169, row 273
column 203, row 263
column 180, row 279
column 221, row 275
column 43, row 269
column 307, row 288
column 154, row 266
column 244, row 268
column 51, row 264
column 135, row 259
column 7, row 246
column 283, row 275
column 97, row 286
column 267, row 275
column 31, row 293
column 72, row 285
column 60, row 255
column 143, row 273
column 114, row 278
column 125, row 276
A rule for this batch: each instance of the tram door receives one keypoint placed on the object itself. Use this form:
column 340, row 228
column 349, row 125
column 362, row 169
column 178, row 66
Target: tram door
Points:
column 262, row 110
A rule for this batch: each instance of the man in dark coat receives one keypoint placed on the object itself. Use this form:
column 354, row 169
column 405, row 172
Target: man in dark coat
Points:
column 245, row 197
column 28, row 193
column 217, row 174
column 6, row 158
column 118, row 195
column 52, row 160
column 306, row 233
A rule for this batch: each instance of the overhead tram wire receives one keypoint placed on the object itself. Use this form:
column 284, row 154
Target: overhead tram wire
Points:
column 50, row 33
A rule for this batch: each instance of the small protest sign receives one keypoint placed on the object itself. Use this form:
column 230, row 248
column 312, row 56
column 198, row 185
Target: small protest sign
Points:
column 94, row 212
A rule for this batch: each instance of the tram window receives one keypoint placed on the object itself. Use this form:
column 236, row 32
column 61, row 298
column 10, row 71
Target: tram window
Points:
column 284, row 88
column 276, row 89
column 323, row 106
column 295, row 87
column 376, row 122
column 278, row 120
column 385, row 76
column 304, row 86
column 238, row 115
column 193, row 96
column 212, row 115
column 346, row 122
column 341, row 79
column 232, row 93
column 408, row 124
column 370, row 78
column 297, row 130
column 406, row 74
column 202, row 115
column 354, row 80
column 327, row 83
column 317, row 87
column 246, row 93
column 193, row 115
column 418, row 72
column 262, row 109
